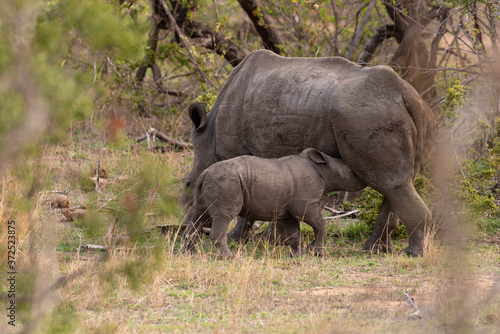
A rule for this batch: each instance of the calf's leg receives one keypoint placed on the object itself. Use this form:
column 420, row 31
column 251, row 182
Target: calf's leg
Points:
column 311, row 215
column 218, row 234
column 285, row 232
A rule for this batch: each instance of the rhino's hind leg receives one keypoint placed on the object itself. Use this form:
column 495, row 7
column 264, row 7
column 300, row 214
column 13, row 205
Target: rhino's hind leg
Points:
column 240, row 232
column 285, row 232
column 414, row 213
column 380, row 238
column 218, row 234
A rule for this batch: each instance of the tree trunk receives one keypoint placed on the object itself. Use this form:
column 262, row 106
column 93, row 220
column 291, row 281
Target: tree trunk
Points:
column 271, row 37
column 413, row 59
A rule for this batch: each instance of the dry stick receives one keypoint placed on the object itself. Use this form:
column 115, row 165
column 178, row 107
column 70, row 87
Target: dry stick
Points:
column 97, row 176
column 332, row 210
column 164, row 138
column 149, row 141
column 417, row 314
column 115, row 197
column 70, row 208
column 342, row 215
column 360, row 29
column 186, row 44
column 216, row 11
column 101, row 247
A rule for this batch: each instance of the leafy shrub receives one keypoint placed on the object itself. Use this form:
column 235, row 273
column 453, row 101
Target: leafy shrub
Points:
column 478, row 185
column 456, row 98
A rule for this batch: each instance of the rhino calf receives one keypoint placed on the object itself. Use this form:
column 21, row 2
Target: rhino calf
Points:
column 288, row 189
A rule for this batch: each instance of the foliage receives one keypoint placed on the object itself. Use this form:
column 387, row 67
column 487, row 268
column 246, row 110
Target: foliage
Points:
column 456, row 98
column 478, row 187
column 369, row 204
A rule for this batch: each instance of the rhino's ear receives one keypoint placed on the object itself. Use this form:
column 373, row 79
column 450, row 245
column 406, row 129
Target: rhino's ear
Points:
column 317, row 156
column 197, row 114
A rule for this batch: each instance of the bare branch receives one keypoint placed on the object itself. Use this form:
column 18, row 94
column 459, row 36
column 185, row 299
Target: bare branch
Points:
column 186, row 45
column 360, row 28
column 343, row 215
column 161, row 136
column 271, row 37
column 417, row 314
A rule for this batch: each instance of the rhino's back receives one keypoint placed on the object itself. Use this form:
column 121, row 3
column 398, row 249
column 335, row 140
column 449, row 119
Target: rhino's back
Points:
column 274, row 106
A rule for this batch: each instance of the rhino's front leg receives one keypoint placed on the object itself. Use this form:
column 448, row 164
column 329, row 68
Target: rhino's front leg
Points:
column 313, row 218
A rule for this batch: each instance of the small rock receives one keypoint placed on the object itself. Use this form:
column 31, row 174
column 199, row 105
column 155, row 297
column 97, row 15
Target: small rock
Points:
column 59, row 217
column 121, row 239
column 492, row 318
column 72, row 215
column 77, row 214
column 415, row 316
column 103, row 183
column 103, row 173
column 59, row 201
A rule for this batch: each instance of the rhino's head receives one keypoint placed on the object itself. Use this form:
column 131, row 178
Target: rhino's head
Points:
column 202, row 137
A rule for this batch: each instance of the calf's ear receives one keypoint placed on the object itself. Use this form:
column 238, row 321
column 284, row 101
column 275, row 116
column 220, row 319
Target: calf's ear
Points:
column 317, row 156
column 197, row 114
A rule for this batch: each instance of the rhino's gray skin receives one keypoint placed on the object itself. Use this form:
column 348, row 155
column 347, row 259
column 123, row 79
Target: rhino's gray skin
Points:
column 272, row 106
column 288, row 189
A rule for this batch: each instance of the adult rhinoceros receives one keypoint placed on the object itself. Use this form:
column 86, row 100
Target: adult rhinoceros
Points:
column 272, row 106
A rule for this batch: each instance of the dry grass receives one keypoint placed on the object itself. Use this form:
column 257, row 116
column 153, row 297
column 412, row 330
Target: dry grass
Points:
column 263, row 290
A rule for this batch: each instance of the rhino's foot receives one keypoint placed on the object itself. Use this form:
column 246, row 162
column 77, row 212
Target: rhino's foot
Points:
column 270, row 236
column 413, row 252
column 241, row 232
column 378, row 246
column 317, row 250
column 227, row 255
column 297, row 252
column 189, row 249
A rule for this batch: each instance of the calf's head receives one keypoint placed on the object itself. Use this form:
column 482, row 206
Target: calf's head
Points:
column 334, row 172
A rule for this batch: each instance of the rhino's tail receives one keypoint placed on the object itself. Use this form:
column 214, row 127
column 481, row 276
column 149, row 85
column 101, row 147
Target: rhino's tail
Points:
column 424, row 119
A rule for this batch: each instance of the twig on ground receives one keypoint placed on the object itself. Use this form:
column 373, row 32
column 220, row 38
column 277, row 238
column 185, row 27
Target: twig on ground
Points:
column 97, row 170
column 152, row 132
column 116, row 196
column 70, row 208
column 417, row 314
column 166, row 228
column 343, row 215
column 102, row 247
column 332, row 210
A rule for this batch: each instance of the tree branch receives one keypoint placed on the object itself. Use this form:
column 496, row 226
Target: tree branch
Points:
column 360, row 28
column 271, row 37
column 382, row 34
column 200, row 33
